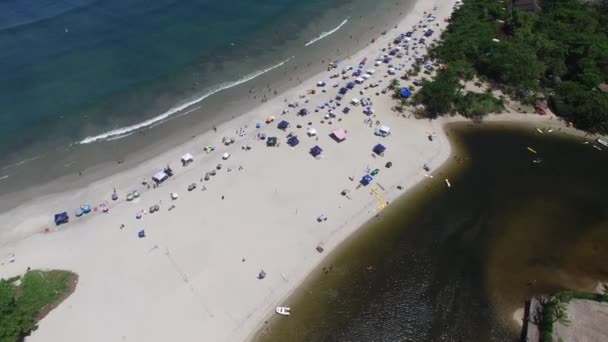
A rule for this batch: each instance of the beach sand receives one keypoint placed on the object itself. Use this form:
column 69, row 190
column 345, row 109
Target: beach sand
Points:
column 194, row 275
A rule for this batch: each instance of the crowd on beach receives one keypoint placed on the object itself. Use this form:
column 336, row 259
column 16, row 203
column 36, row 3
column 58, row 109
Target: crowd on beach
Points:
column 345, row 109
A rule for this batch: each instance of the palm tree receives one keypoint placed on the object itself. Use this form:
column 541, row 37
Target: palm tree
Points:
column 394, row 84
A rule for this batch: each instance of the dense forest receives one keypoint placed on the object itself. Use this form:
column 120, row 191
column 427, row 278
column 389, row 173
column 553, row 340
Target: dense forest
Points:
column 560, row 53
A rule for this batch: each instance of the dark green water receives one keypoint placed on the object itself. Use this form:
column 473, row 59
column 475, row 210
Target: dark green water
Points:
column 453, row 265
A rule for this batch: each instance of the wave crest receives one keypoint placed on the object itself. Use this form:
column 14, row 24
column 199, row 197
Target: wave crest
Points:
column 328, row 33
column 128, row 130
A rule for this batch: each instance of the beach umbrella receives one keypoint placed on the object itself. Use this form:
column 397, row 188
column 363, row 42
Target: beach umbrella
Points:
column 129, row 197
column 78, row 212
column 136, row 193
column 86, row 208
column 114, row 196
column 138, row 215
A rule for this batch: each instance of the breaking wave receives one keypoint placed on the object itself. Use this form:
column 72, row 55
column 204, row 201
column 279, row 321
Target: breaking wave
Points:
column 328, row 33
column 128, row 130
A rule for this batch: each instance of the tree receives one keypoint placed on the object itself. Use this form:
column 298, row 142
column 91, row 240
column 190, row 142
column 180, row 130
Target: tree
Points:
column 393, row 84
column 439, row 95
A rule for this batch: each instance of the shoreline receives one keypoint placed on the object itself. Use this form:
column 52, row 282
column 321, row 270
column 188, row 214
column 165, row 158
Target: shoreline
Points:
column 183, row 270
column 75, row 166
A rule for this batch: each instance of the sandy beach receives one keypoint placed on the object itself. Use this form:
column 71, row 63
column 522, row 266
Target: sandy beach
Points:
column 194, row 274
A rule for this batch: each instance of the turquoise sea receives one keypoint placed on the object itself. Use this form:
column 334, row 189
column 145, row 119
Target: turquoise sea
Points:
column 81, row 71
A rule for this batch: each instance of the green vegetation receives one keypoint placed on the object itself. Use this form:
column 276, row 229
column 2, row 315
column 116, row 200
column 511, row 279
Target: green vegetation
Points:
column 25, row 300
column 561, row 54
column 555, row 309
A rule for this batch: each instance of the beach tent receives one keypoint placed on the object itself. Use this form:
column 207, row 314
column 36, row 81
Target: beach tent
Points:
column 355, row 101
column 187, row 158
column 385, row 130
column 141, row 234
column 366, row 77
column 371, row 71
column 160, row 177
column 368, row 110
column 359, row 80
column 293, row 141
column 339, row 134
column 316, row 151
column 311, row 132
column 271, row 141
column 350, row 85
column 78, row 212
column 379, row 149
column 366, row 180
column 320, row 84
column 283, row 125
column 343, row 90
column 405, row 92
column 61, row 218
column 270, row 119
column 303, row 112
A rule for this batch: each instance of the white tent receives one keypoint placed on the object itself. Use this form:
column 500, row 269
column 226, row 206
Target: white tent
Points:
column 371, row 71
column 355, row 101
column 385, row 130
column 366, row 76
column 226, row 156
column 359, row 80
column 187, row 158
column 160, row 177
column 311, row 132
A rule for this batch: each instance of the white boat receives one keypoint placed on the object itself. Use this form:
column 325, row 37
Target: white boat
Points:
column 447, row 182
column 602, row 142
column 282, row 310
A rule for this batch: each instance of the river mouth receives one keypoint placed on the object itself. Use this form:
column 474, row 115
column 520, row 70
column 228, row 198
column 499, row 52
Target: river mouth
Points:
column 455, row 264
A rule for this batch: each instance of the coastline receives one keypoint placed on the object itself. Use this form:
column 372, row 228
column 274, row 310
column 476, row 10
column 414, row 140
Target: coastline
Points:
column 265, row 224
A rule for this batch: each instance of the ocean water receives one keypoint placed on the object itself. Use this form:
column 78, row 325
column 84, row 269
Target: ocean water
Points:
column 454, row 265
column 82, row 72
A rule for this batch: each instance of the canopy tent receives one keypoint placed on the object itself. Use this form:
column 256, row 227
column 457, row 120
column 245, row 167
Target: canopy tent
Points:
column 283, row 125
column 293, row 141
column 355, row 101
column 316, row 151
column 359, row 80
column 350, row 85
column 160, row 177
column 187, row 158
column 225, row 155
column 61, row 218
column 339, row 134
column 343, row 90
column 405, row 92
column 385, row 130
column 366, row 76
column 371, row 71
column 311, row 132
column 366, row 180
column 379, row 149
column 271, row 141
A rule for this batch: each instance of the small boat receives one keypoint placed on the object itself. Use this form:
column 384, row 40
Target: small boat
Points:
column 447, row 182
column 539, row 130
column 532, row 150
column 282, row 310
column 537, row 160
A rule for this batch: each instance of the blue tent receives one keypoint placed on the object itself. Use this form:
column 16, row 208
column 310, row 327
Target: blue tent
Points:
column 315, row 151
column 293, row 141
column 350, row 85
column 61, row 218
column 283, row 125
column 271, row 141
column 141, row 234
column 343, row 90
column 366, row 180
column 405, row 92
column 379, row 149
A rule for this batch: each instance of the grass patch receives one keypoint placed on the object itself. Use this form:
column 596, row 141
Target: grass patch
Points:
column 26, row 300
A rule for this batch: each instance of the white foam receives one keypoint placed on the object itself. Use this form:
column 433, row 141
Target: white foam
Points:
column 128, row 130
column 328, row 33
